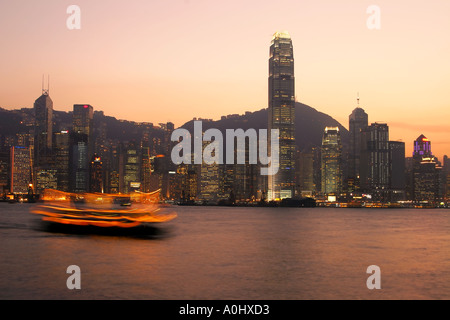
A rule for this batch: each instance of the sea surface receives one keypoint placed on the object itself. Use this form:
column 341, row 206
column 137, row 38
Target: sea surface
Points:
column 218, row 253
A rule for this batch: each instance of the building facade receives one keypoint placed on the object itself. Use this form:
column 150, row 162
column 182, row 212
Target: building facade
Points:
column 426, row 173
column 358, row 120
column 331, row 162
column 43, row 129
column 81, row 147
column 375, row 161
column 282, row 114
column 20, row 166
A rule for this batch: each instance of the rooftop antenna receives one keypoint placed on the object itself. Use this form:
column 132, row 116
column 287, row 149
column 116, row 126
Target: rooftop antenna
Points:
column 358, row 99
column 45, row 91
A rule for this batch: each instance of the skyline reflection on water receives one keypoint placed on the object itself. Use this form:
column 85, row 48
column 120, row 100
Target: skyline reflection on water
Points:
column 233, row 253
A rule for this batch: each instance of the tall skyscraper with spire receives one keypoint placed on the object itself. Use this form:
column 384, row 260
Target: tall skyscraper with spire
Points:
column 282, row 114
column 358, row 121
column 43, row 127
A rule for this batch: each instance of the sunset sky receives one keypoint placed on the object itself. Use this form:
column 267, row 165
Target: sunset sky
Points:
column 172, row 60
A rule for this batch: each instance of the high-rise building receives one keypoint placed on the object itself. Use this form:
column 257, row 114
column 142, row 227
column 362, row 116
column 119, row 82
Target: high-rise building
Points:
column 78, row 163
column 397, row 170
column 96, row 174
column 375, row 161
column 46, row 179
column 358, row 121
column 190, row 183
column 331, row 159
column 422, row 147
column 131, row 172
column 146, row 169
column 113, row 181
column 446, row 177
column 83, row 117
column 426, row 178
column 209, row 180
column 43, row 128
column 4, row 171
column 20, row 169
column 167, row 128
column 305, row 173
column 61, row 154
column 81, row 147
column 282, row 114
column 426, row 173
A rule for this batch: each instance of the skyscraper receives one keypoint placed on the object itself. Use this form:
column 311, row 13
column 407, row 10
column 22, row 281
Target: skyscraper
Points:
column 305, row 173
column 331, row 161
column 43, row 128
column 209, row 180
column 61, row 157
column 132, row 177
column 397, row 170
column 20, row 169
column 282, row 114
column 358, row 120
column 96, row 174
column 83, row 116
column 422, row 147
column 426, row 174
column 375, row 161
column 81, row 147
column 4, row 170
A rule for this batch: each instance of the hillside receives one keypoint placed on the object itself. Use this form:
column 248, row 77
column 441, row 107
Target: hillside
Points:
column 310, row 125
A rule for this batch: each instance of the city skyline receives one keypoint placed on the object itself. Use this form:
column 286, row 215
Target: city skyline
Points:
column 400, row 71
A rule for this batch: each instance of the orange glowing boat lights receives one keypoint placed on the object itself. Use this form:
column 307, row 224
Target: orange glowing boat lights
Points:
column 102, row 210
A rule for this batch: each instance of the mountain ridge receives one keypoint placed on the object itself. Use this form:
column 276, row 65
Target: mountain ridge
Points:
column 310, row 124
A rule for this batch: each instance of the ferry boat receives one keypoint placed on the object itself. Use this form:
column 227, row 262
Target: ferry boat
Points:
column 103, row 210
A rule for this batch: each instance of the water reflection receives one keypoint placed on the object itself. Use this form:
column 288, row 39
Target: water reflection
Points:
column 145, row 232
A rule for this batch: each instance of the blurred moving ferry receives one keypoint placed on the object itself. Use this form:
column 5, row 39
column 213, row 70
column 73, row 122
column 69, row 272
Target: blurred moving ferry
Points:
column 103, row 210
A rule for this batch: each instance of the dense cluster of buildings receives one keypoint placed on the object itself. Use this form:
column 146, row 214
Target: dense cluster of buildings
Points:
column 374, row 169
column 80, row 158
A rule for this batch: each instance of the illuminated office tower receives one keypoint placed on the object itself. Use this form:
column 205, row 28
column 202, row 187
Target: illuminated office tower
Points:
column 422, row 148
column 83, row 124
column 305, row 173
column 426, row 178
column 426, row 172
column 375, row 161
column 331, row 161
column 209, row 180
column 358, row 121
column 446, row 178
column 397, row 170
column 20, row 169
column 131, row 170
column 4, row 170
column 96, row 174
column 43, row 128
column 83, row 116
column 61, row 155
column 81, row 147
column 46, row 179
column 146, row 168
column 282, row 114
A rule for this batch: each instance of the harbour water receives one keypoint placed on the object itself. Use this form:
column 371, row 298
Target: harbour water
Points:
column 233, row 253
